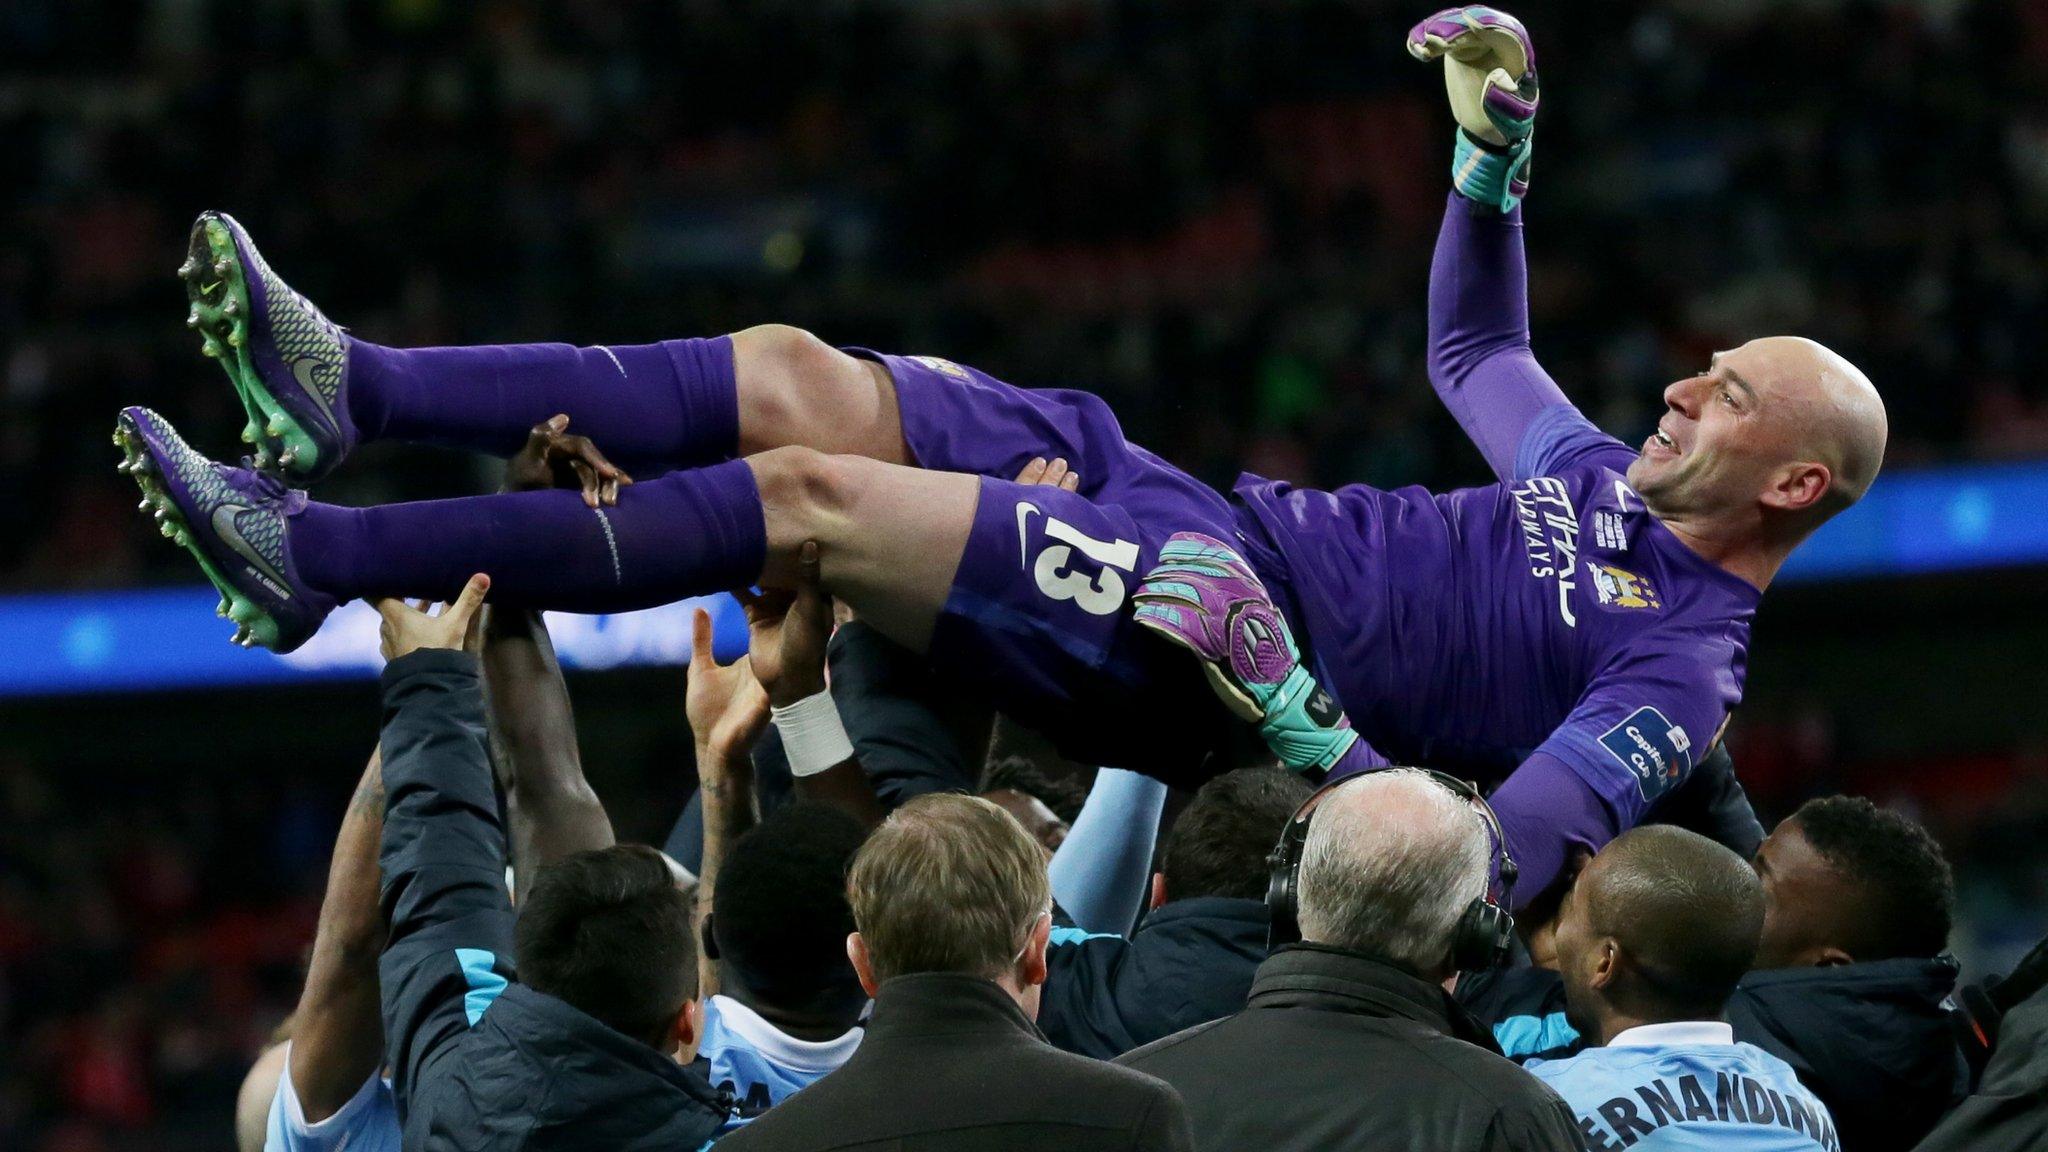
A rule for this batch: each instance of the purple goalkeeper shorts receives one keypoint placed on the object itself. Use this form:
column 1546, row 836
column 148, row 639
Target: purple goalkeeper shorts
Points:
column 1038, row 619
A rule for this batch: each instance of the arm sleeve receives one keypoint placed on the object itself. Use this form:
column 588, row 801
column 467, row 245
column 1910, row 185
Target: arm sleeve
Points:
column 1641, row 724
column 1099, row 874
column 1480, row 360
column 443, row 856
column 1546, row 810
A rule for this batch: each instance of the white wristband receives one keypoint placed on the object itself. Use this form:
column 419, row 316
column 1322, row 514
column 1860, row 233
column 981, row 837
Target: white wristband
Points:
column 812, row 737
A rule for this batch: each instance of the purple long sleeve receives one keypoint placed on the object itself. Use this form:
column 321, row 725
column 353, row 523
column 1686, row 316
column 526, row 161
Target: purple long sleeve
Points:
column 1479, row 357
column 1546, row 810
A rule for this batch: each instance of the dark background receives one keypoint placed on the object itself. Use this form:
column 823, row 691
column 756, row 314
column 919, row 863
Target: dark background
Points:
column 1218, row 215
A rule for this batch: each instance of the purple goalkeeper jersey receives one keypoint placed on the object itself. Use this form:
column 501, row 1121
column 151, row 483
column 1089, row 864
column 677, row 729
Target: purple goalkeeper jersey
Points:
column 1547, row 613
column 1550, row 614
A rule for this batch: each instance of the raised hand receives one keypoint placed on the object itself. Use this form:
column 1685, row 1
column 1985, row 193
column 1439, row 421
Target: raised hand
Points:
column 1490, row 75
column 408, row 628
column 726, row 706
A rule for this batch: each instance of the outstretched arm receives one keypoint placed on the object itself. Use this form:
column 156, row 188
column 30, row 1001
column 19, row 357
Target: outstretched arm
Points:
column 1479, row 358
column 1480, row 361
column 442, row 854
column 550, row 807
column 727, row 709
column 337, row 1034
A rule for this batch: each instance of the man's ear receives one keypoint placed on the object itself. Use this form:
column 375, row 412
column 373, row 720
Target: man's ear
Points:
column 1031, row 965
column 1798, row 487
column 1158, row 892
column 688, row 1029
column 1606, row 963
column 863, row 965
column 1829, row 956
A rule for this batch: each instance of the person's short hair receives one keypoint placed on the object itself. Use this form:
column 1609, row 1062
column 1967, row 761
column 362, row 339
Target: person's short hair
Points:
column 608, row 932
column 948, row 883
column 1219, row 844
column 1687, row 912
column 1390, row 864
column 1908, row 891
column 779, row 915
column 1063, row 795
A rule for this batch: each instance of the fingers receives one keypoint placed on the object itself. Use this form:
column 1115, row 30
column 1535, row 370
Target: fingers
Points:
column 465, row 605
column 390, row 608
column 807, row 565
column 586, row 479
column 700, row 639
column 1052, row 473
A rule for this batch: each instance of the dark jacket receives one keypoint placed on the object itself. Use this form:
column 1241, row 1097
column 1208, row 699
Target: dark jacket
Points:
column 1874, row 1041
column 1338, row 1051
column 952, row 1062
column 2010, row 1107
column 480, row 1062
column 1190, row 961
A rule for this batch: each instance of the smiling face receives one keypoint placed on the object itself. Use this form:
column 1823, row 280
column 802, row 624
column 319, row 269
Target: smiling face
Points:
column 1778, row 427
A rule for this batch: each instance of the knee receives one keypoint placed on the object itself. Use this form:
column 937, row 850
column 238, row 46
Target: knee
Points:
column 778, row 354
column 807, row 488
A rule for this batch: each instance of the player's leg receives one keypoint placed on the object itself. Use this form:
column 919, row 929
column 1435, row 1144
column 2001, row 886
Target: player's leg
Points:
column 312, row 391
column 890, row 537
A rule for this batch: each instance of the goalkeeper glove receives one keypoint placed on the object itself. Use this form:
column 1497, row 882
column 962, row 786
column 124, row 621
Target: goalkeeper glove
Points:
column 1490, row 73
column 1204, row 597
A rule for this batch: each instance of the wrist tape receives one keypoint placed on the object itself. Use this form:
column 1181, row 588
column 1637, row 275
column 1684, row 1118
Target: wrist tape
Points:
column 812, row 736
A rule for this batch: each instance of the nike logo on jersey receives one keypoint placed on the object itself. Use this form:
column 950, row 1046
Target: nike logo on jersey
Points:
column 1024, row 510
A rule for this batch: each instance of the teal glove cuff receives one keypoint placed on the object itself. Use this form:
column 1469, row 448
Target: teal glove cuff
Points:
column 1303, row 725
column 1495, row 178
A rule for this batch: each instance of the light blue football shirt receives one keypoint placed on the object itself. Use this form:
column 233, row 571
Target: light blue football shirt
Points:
column 760, row 1064
column 1688, row 1085
column 367, row 1123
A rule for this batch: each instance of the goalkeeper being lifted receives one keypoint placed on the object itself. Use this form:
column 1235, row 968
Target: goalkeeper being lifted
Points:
column 1609, row 586
column 1580, row 627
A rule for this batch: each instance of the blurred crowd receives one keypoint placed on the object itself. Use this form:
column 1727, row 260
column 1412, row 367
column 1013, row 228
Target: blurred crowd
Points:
column 1216, row 214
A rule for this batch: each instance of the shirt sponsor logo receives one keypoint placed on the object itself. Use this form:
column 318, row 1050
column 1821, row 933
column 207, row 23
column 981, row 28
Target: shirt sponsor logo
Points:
column 1621, row 588
column 1658, row 752
column 1610, row 530
column 1687, row 1099
column 1550, row 536
column 943, row 366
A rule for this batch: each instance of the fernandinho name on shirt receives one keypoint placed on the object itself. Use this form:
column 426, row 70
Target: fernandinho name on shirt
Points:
column 1734, row 1099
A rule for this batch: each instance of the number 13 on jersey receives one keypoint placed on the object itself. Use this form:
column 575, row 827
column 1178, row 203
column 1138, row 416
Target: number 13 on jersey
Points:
column 1099, row 593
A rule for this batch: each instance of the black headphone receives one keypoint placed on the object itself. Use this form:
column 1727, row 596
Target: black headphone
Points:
column 1485, row 935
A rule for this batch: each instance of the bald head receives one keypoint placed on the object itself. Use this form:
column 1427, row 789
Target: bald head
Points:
column 1832, row 408
column 1391, row 861
column 1660, row 926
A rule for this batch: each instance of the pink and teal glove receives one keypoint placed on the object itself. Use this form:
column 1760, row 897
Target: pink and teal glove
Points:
column 1204, row 597
column 1490, row 74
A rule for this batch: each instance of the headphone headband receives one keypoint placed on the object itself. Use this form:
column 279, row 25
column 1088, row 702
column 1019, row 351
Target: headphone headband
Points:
column 1484, row 937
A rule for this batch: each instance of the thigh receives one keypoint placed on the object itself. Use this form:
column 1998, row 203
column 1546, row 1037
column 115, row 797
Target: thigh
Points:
column 960, row 419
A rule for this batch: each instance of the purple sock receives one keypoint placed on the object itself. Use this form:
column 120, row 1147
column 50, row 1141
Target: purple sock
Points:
column 684, row 534
column 649, row 407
